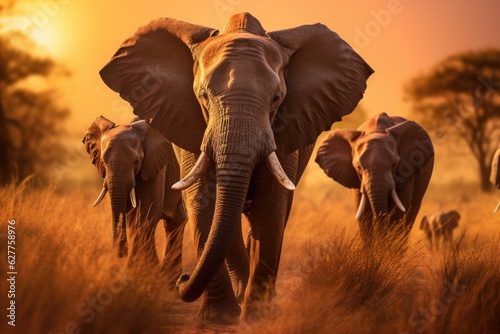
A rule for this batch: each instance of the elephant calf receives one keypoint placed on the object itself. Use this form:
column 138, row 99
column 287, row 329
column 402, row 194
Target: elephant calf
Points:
column 495, row 174
column 139, row 167
column 438, row 228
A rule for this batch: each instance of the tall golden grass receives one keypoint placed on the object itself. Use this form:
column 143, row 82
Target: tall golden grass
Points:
column 70, row 281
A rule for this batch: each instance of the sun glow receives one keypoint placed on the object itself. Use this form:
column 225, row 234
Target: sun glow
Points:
column 41, row 23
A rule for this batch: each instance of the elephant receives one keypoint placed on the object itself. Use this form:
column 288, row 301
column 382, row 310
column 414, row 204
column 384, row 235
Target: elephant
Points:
column 386, row 164
column 244, row 108
column 135, row 159
column 438, row 228
column 495, row 174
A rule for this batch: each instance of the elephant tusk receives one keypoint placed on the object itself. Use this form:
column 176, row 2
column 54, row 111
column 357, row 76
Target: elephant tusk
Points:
column 396, row 199
column 278, row 172
column 362, row 204
column 199, row 167
column 498, row 207
column 132, row 198
column 101, row 196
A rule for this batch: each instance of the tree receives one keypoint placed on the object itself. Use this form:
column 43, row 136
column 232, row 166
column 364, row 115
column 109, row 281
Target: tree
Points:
column 460, row 97
column 30, row 120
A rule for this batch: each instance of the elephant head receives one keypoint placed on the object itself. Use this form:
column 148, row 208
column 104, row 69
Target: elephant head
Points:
column 240, row 96
column 377, row 159
column 121, row 154
column 495, row 174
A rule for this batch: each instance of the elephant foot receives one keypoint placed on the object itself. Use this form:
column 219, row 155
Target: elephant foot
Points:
column 223, row 312
column 257, row 311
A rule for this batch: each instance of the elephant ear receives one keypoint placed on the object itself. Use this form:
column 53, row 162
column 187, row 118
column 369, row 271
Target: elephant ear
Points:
column 325, row 80
column 424, row 225
column 495, row 172
column 153, row 71
column 414, row 147
column 335, row 157
column 155, row 148
column 92, row 141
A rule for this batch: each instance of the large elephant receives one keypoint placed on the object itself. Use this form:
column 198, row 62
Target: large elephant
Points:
column 387, row 164
column 245, row 107
column 136, row 160
column 495, row 174
column 438, row 228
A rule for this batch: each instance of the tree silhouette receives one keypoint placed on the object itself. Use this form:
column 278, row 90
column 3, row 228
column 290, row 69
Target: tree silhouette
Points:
column 460, row 98
column 30, row 120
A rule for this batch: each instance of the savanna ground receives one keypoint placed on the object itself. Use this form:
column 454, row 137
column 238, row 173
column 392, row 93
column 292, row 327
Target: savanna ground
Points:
column 69, row 281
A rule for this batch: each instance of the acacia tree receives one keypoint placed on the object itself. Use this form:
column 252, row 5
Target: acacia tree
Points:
column 460, row 97
column 29, row 120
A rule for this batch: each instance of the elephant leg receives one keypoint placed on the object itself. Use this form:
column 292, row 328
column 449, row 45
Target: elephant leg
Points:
column 141, row 244
column 428, row 238
column 150, row 198
column 268, row 216
column 365, row 222
column 238, row 265
column 437, row 240
column 218, row 302
column 174, row 225
column 447, row 237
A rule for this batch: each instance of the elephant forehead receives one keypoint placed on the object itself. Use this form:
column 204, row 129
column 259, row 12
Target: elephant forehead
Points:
column 122, row 134
column 376, row 142
column 243, row 62
column 376, row 148
column 239, row 48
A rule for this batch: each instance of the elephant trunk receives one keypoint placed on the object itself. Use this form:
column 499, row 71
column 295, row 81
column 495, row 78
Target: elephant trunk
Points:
column 232, row 186
column 235, row 150
column 377, row 188
column 118, row 195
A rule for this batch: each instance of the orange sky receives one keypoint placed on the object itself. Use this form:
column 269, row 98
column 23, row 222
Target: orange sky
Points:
column 399, row 39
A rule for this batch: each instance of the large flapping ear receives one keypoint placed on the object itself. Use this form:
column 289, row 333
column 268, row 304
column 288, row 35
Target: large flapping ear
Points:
column 495, row 171
column 155, row 148
column 153, row 71
column 92, row 141
column 424, row 224
column 414, row 147
column 335, row 157
column 325, row 80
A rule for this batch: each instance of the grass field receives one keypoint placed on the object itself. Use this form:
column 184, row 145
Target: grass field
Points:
column 69, row 281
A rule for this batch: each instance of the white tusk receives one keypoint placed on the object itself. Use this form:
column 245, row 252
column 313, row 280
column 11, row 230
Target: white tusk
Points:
column 101, row 196
column 397, row 200
column 362, row 204
column 278, row 172
column 132, row 197
column 199, row 167
column 498, row 207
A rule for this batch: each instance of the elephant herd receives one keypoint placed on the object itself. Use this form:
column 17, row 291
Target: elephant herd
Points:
column 227, row 121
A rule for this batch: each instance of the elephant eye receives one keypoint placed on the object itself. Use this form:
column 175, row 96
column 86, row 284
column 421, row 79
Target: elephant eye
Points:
column 275, row 100
column 203, row 93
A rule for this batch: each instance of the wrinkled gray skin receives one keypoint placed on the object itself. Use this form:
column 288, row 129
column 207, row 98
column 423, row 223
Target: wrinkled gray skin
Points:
column 438, row 228
column 495, row 174
column 385, row 153
column 248, row 105
column 135, row 156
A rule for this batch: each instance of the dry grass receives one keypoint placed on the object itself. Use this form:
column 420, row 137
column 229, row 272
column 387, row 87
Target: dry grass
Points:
column 69, row 279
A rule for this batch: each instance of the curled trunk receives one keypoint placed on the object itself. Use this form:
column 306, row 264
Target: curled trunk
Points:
column 232, row 184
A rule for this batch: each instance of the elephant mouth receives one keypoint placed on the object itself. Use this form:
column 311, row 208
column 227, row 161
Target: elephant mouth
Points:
column 104, row 191
column 362, row 202
column 204, row 161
